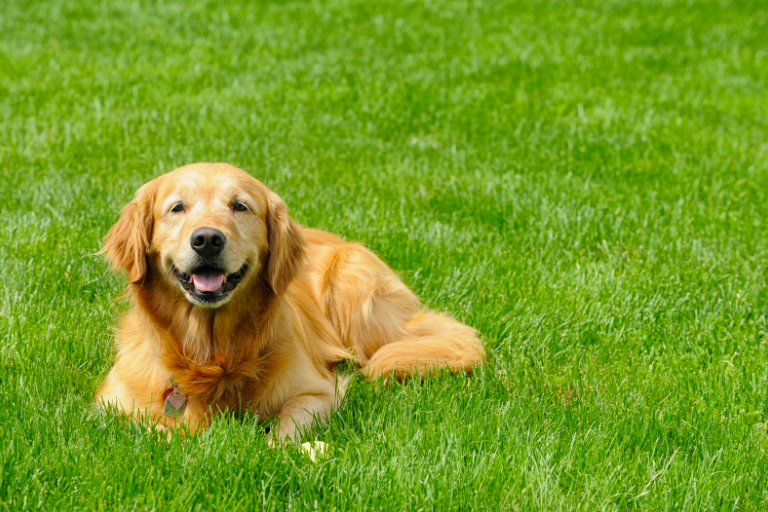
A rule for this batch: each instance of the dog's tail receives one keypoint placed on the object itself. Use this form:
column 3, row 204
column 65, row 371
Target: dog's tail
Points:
column 383, row 325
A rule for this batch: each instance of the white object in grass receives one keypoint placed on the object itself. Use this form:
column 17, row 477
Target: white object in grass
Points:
column 315, row 450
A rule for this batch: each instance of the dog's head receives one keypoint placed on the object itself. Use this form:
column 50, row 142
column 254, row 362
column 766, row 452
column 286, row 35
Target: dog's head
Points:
column 209, row 231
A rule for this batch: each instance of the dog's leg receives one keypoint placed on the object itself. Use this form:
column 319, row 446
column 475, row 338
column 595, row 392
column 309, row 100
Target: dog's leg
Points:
column 434, row 340
column 382, row 320
column 300, row 412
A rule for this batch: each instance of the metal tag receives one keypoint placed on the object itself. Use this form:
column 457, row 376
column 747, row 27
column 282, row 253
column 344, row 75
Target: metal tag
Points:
column 175, row 403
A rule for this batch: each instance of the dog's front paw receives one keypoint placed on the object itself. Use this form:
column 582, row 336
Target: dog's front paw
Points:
column 160, row 432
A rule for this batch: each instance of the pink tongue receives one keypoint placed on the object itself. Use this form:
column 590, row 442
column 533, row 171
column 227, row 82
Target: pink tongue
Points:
column 208, row 282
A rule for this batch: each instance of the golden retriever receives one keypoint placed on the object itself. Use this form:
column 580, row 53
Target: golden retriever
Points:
column 235, row 306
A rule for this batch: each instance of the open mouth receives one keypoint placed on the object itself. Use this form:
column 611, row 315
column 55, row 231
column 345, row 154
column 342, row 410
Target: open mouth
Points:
column 209, row 284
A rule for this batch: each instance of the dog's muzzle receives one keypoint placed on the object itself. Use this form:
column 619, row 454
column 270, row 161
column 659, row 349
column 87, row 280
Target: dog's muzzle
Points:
column 209, row 284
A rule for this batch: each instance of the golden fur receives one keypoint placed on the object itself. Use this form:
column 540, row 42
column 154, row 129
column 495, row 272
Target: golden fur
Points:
column 307, row 301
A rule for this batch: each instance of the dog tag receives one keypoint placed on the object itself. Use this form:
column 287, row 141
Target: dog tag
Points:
column 175, row 402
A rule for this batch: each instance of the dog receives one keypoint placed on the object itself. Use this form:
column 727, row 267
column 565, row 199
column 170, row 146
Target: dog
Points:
column 234, row 306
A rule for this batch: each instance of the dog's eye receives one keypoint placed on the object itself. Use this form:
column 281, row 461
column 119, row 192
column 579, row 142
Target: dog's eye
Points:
column 239, row 206
column 178, row 207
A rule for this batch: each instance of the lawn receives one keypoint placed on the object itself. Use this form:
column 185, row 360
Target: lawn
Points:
column 585, row 182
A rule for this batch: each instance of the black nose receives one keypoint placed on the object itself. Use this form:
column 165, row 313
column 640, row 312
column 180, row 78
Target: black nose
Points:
column 207, row 241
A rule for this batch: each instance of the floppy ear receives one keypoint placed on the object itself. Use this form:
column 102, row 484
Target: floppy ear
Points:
column 127, row 241
column 286, row 245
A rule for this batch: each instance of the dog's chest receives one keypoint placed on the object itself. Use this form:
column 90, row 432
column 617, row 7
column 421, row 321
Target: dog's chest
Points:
column 223, row 381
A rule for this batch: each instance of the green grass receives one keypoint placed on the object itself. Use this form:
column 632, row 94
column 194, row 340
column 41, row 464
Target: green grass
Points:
column 586, row 182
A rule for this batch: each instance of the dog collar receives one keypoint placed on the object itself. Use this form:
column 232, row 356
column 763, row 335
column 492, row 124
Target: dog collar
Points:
column 175, row 402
